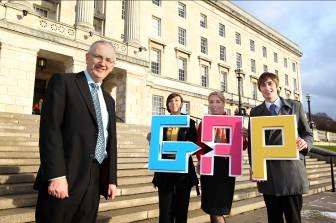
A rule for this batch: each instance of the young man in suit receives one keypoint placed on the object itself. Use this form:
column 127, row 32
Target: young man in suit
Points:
column 286, row 179
column 78, row 141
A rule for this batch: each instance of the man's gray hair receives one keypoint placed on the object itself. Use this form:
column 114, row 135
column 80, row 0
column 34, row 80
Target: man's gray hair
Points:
column 93, row 45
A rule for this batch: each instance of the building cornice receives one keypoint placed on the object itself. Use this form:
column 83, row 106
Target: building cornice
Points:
column 70, row 42
column 261, row 29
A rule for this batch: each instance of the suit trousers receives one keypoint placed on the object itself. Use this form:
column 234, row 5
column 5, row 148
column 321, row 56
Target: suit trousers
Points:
column 174, row 203
column 80, row 207
column 277, row 206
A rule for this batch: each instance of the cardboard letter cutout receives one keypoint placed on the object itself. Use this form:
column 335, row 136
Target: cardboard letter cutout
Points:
column 233, row 149
column 261, row 152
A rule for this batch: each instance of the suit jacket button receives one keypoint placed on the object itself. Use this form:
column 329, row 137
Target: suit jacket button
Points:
column 92, row 156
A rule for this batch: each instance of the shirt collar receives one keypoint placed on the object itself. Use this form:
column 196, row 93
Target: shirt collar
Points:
column 277, row 102
column 89, row 78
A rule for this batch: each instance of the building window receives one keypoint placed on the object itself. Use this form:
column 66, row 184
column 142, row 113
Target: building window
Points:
column 222, row 53
column 294, row 67
column 224, row 84
column 252, row 45
column 204, row 75
column 286, row 79
column 295, row 85
column 182, row 69
column 238, row 38
column 156, row 26
column 155, row 61
column 239, row 62
column 185, row 107
column 253, row 66
column 157, row 2
column 221, row 30
column 182, row 33
column 157, row 105
column 41, row 11
column 275, row 57
column 264, row 51
column 203, row 21
column 182, row 10
column 204, row 45
column 265, row 68
column 276, row 72
column 285, row 62
column 254, row 90
column 123, row 8
column 98, row 25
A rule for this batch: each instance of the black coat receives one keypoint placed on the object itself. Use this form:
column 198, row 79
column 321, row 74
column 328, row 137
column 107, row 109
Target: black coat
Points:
column 68, row 134
column 162, row 179
column 285, row 177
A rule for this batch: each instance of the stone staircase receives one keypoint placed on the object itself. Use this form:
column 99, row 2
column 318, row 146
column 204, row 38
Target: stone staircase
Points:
column 137, row 199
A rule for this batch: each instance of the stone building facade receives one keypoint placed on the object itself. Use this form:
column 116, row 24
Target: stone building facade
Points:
column 191, row 47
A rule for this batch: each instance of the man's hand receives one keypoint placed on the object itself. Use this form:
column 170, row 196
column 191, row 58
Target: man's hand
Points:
column 112, row 191
column 301, row 144
column 58, row 188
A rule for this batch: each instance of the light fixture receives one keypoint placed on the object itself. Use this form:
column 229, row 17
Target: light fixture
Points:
column 142, row 48
column 24, row 12
column 41, row 63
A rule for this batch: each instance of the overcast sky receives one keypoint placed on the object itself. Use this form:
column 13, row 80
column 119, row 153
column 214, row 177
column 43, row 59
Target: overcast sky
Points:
column 312, row 25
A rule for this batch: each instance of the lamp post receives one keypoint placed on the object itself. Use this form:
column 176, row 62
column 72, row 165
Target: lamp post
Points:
column 240, row 74
column 309, row 112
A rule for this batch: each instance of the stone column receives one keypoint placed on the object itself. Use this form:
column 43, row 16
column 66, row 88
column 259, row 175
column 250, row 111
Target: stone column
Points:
column 17, row 77
column 73, row 66
column 132, row 23
column 85, row 14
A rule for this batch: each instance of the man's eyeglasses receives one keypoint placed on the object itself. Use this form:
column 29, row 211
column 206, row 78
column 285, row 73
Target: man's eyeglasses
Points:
column 101, row 58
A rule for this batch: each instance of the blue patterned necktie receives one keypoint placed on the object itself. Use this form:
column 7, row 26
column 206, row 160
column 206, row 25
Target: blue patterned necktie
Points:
column 273, row 109
column 100, row 146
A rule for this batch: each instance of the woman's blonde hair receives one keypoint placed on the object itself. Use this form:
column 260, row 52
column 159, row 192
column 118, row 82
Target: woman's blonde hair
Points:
column 218, row 94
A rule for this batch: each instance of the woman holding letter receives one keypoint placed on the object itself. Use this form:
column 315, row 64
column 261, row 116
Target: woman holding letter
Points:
column 174, row 188
column 217, row 190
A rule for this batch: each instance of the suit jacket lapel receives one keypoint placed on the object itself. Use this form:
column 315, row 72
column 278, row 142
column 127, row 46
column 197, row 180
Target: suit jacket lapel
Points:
column 85, row 91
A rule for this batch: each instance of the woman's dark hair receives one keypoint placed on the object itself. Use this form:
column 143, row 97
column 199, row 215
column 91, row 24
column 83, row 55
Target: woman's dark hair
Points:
column 171, row 96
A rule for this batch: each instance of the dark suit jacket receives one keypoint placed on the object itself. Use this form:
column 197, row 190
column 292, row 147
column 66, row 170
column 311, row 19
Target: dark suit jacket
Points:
column 285, row 177
column 68, row 135
column 163, row 180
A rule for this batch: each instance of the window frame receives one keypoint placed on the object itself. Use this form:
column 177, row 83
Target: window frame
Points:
column 182, row 10
column 156, row 65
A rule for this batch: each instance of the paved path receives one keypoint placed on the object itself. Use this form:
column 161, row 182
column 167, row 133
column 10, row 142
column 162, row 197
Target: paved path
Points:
column 318, row 208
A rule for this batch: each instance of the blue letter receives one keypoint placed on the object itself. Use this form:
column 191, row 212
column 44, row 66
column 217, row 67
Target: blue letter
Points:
column 182, row 150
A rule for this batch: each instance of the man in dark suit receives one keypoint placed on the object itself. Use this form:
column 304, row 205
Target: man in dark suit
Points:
column 78, row 149
column 286, row 179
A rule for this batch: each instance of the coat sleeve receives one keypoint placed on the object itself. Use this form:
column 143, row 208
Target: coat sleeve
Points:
column 304, row 130
column 51, row 140
column 200, row 152
column 113, row 146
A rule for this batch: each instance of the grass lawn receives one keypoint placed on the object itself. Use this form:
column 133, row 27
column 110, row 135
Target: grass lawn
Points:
column 332, row 148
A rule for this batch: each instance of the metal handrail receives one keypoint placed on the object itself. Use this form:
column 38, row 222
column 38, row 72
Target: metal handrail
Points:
column 331, row 155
